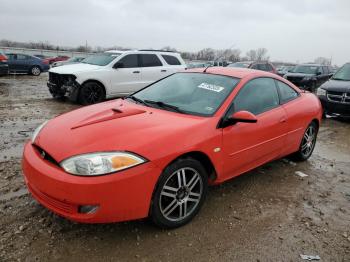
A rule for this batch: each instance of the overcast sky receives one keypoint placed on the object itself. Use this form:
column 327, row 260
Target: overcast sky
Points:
column 292, row 30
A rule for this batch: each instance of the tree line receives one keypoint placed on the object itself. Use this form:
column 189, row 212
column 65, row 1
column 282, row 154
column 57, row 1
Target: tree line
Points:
column 206, row 54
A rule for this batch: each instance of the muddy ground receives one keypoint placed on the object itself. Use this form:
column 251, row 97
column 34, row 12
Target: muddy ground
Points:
column 269, row 214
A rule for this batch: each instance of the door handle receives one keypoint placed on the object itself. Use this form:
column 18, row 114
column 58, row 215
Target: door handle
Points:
column 136, row 72
column 283, row 120
column 163, row 71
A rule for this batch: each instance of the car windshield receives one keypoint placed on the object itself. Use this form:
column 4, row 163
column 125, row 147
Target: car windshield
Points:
column 305, row 69
column 191, row 93
column 343, row 73
column 100, row 59
column 239, row 64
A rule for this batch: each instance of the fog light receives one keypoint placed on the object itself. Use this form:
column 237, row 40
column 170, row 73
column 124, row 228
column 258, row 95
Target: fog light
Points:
column 87, row 209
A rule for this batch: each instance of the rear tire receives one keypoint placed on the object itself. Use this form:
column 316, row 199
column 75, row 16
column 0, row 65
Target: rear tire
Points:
column 307, row 144
column 179, row 194
column 91, row 93
column 35, row 71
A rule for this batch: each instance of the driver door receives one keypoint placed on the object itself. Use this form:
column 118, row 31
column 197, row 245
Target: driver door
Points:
column 126, row 77
column 248, row 145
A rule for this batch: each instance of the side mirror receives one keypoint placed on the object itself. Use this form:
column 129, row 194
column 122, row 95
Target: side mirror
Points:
column 318, row 73
column 243, row 116
column 240, row 116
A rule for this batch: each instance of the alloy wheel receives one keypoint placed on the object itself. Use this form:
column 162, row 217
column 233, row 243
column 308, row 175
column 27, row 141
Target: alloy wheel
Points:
column 308, row 141
column 181, row 194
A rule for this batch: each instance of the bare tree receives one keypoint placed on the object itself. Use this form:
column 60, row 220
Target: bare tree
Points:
column 259, row 54
column 251, row 55
column 322, row 61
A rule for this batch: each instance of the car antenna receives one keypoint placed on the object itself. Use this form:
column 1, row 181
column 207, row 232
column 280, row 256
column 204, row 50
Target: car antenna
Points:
column 205, row 70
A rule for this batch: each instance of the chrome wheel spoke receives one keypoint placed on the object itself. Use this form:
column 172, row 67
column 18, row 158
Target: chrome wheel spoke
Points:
column 181, row 177
column 193, row 182
column 170, row 208
column 183, row 209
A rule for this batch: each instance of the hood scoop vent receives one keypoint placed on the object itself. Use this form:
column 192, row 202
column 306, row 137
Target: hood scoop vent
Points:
column 107, row 115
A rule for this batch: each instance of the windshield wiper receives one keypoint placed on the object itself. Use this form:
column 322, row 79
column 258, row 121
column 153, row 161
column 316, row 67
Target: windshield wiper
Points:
column 340, row 79
column 137, row 99
column 164, row 105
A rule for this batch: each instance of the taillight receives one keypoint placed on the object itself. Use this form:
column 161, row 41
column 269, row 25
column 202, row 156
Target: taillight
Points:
column 3, row 58
column 46, row 62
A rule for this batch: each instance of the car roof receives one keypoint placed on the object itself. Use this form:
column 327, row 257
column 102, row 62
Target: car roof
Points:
column 143, row 51
column 311, row 65
column 236, row 72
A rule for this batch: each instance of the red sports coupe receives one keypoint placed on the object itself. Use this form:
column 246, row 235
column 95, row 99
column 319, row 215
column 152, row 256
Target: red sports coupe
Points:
column 154, row 153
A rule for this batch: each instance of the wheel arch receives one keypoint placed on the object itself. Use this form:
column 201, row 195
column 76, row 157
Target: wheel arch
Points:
column 203, row 158
column 91, row 81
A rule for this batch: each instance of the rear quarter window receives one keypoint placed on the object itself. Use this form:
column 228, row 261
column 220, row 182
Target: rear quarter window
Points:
column 150, row 60
column 171, row 60
column 286, row 92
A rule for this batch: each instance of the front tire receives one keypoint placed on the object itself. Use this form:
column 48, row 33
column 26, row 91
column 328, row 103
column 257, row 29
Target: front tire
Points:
column 91, row 93
column 307, row 144
column 35, row 71
column 180, row 193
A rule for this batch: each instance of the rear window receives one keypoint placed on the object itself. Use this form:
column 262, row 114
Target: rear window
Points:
column 150, row 60
column 171, row 60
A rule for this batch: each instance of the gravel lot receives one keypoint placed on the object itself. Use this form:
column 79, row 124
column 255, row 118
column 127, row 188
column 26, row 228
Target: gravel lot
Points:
column 269, row 214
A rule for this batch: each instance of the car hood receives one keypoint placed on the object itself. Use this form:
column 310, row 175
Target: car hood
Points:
column 119, row 125
column 299, row 74
column 74, row 68
column 337, row 85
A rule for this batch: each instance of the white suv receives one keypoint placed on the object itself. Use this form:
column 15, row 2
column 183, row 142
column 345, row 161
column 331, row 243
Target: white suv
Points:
column 112, row 74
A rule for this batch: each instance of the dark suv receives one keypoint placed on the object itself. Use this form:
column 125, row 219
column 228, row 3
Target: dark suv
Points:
column 309, row 76
column 335, row 93
column 263, row 66
column 4, row 67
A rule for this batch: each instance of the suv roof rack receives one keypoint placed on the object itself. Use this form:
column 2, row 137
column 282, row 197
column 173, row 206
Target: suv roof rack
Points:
column 155, row 50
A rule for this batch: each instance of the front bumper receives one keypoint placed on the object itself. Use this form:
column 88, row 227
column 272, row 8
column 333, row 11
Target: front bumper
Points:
column 121, row 196
column 335, row 108
column 71, row 91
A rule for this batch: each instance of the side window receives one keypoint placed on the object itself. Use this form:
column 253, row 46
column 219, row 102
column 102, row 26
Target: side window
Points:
column 150, row 60
column 128, row 61
column 319, row 70
column 21, row 57
column 171, row 60
column 286, row 92
column 254, row 66
column 257, row 96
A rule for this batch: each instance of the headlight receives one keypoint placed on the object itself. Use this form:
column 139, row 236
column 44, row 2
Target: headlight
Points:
column 95, row 164
column 321, row 92
column 37, row 131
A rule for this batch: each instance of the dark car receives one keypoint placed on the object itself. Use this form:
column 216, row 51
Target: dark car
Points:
column 263, row 66
column 4, row 68
column 309, row 76
column 284, row 70
column 21, row 63
column 335, row 93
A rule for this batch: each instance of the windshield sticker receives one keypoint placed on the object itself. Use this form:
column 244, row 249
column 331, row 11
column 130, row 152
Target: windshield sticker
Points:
column 208, row 108
column 211, row 87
